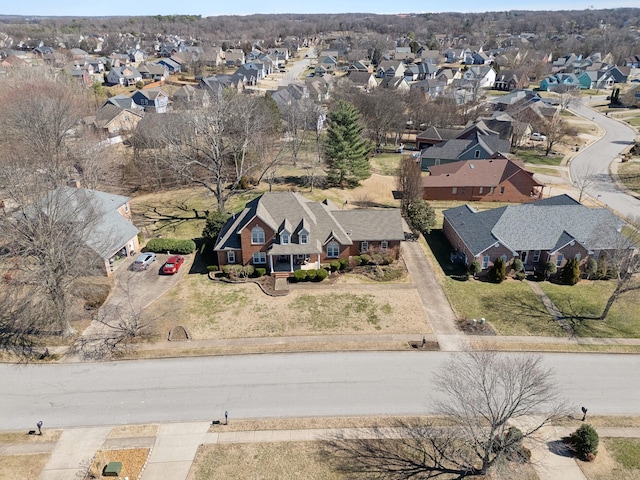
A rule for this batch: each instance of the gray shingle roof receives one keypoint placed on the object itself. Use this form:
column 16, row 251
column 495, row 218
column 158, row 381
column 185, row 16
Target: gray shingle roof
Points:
column 546, row 225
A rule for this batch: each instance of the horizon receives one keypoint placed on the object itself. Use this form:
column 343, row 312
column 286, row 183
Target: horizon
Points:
column 73, row 8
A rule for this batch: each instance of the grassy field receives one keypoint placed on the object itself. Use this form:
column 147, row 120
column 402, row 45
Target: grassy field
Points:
column 25, row 467
column 583, row 303
column 629, row 173
column 617, row 459
column 537, row 157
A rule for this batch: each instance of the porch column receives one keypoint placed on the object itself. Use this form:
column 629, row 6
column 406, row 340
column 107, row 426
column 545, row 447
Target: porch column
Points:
column 291, row 263
column 270, row 263
column 318, row 261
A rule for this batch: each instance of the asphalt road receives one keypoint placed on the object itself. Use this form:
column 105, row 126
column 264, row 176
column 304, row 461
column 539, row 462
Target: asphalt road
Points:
column 283, row 385
column 595, row 159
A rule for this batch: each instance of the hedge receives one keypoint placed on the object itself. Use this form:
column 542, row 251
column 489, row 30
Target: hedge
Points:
column 260, row 272
column 321, row 274
column 161, row 245
column 300, row 275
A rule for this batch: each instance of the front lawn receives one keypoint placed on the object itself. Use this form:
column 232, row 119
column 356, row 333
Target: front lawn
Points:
column 583, row 303
column 629, row 173
column 537, row 157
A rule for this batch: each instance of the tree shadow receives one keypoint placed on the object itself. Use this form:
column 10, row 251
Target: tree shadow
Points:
column 442, row 250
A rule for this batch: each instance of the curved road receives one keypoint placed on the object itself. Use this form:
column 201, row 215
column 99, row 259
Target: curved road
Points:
column 285, row 385
column 595, row 159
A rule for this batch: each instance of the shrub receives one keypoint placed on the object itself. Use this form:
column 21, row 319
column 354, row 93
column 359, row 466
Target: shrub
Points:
column 475, row 267
column 497, row 273
column 365, row 259
column 549, row 269
column 248, row 270
column 312, row 274
column 321, row 274
column 343, row 263
column 215, row 222
column 260, row 272
column 161, row 245
column 421, row 216
column 387, row 259
column 520, row 276
column 591, row 268
column 584, row 441
column 518, row 266
column 356, row 260
column 212, row 268
column 335, row 265
column 300, row 275
column 571, row 272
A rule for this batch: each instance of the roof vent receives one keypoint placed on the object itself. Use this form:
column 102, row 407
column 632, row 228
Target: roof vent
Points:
column 471, row 166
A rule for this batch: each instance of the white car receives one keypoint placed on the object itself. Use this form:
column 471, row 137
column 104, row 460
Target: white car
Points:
column 538, row 137
column 143, row 261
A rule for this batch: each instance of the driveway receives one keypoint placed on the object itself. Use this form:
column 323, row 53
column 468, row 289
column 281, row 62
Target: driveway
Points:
column 132, row 292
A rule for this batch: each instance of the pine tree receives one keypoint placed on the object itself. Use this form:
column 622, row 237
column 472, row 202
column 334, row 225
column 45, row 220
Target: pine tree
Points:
column 346, row 151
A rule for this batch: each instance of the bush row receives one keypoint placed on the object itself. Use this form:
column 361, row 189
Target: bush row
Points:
column 372, row 259
column 161, row 245
column 310, row 275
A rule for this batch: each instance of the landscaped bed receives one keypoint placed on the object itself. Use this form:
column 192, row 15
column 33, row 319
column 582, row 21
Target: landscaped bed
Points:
column 133, row 461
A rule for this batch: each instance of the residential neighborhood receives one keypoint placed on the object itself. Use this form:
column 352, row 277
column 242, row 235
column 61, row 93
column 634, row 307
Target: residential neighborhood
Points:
column 229, row 240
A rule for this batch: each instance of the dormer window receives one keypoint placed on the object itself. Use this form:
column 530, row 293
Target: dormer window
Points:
column 284, row 238
column 304, row 238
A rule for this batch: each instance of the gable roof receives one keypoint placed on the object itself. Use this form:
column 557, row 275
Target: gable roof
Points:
column 473, row 173
column 546, row 225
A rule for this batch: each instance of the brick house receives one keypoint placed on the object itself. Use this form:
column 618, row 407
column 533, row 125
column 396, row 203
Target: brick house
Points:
column 554, row 230
column 494, row 180
column 284, row 232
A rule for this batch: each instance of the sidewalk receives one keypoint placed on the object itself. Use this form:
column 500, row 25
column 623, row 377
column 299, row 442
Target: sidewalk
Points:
column 175, row 445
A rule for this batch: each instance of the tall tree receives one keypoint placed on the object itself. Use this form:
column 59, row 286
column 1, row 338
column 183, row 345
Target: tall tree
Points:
column 409, row 182
column 484, row 395
column 346, row 151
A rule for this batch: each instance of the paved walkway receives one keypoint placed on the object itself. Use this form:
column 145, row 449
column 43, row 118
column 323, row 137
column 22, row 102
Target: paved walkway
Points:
column 174, row 447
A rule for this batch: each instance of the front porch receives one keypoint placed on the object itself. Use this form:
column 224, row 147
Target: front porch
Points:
column 287, row 264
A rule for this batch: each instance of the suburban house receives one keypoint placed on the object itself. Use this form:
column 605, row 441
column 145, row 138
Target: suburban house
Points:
column 363, row 80
column 151, row 100
column 390, row 68
column 125, row 76
column 553, row 230
column 506, row 80
column 497, row 180
column 482, row 76
column 429, row 87
column 156, row 72
column 108, row 231
column 476, row 142
column 115, row 120
column 559, row 81
column 398, row 84
column 234, row 57
column 284, row 232
column 171, row 65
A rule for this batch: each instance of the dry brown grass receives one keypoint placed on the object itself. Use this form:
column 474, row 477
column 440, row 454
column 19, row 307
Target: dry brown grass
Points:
column 605, row 467
column 25, row 467
column 133, row 461
column 507, row 346
column 22, row 436
column 129, row 431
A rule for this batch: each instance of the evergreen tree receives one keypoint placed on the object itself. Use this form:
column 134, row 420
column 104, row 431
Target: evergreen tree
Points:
column 571, row 272
column 346, row 151
column 497, row 273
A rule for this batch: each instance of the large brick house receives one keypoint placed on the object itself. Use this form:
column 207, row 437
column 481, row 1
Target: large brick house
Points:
column 550, row 230
column 284, row 232
column 497, row 180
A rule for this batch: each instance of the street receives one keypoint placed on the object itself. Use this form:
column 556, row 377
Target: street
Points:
column 281, row 385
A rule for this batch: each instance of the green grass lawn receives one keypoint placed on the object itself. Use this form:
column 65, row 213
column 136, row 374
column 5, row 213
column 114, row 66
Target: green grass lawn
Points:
column 635, row 121
column 385, row 163
column 629, row 173
column 626, row 452
column 537, row 157
column 583, row 303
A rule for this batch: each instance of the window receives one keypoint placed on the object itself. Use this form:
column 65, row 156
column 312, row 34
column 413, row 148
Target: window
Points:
column 480, row 189
column 491, row 191
column 501, row 190
column 536, row 256
column 454, row 190
column 477, row 153
column 257, row 235
column 462, row 191
column 578, row 257
column 485, row 261
column 333, row 250
column 364, row 246
column 559, row 260
column 126, row 207
column 384, row 244
column 304, row 238
column 285, row 238
column 231, row 257
column 260, row 257
column 504, row 258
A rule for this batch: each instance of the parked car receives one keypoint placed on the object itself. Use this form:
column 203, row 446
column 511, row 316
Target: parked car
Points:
column 538, row 137
column 143, row 261
column 172, row 265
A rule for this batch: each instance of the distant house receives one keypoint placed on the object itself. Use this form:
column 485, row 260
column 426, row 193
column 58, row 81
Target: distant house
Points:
column 116, row 120
column 399, row 84
column 507, row 80
column 125, row 76
column 171, row 65
column 550, row 230
column 234, row 57
column 151, row 100
column 483, row 76
column 156, row 72
column 363, row 80
column 433, row 135
column 390, row 68
column 189, row 97
column 498, row 180
column 326, row 64
column 566, row 81
column 283, row 232
column 429, row 87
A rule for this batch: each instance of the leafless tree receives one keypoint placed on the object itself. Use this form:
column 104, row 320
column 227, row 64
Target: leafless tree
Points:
column 409, row 181
column 491, row 402
column 554, row 129
column 211, row 147
column 567, row 96
column 583, row 179
column 300, row 118
column 381, row 111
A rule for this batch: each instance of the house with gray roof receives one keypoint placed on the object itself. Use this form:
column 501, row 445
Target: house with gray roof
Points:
column 284, row 232
column 107, row 232
column 553, row 229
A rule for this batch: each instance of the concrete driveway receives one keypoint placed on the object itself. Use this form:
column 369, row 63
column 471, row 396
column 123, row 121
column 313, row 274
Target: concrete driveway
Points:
column 132, row 292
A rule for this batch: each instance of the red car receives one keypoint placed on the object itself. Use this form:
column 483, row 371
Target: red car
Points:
column 172, row 265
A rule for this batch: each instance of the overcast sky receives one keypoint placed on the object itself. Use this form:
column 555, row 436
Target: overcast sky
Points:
column 245, row 7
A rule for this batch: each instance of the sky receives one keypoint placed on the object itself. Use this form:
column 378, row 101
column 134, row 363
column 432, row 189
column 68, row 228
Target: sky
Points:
column 246, row 7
